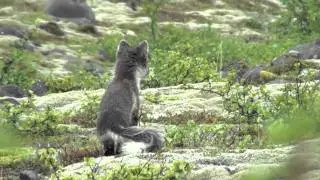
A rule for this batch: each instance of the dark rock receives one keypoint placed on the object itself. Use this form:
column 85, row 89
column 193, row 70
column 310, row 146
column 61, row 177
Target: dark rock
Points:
column 133, row 4
column 93, row 67
column 52, row 51
column 257, row 75
column 253, row 38
column 52, row 28
column 29, row 175
column 318, row 75
column 308, row 50
column 13, row 30
column 240, row 67
column 25, row 45
column 252, row 75
column 70, row 9
column 12, row 91
column 103, row 55
column 284, row 63
column 39, row 88
column 89, row 28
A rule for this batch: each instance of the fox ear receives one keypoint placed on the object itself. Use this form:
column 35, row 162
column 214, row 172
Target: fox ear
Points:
column 144, row 46
column 123, row 46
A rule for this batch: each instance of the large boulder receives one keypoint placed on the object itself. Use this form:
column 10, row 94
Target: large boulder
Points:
column 71, row 9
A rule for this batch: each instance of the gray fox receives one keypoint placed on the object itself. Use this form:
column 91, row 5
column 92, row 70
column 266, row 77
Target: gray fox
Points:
column 119, row 108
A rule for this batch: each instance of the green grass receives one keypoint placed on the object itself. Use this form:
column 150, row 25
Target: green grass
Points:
column 14, row 155
column 206, row 44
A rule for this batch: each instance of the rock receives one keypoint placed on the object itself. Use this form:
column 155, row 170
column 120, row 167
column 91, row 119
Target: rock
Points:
column 52, row 28
column 89, row 28
column 24, row 45
column 314, row 62
column 204, row 167
column 29, row 175
column 103, row 55
column 284, row 63
column 53, row 51
column 13, row 30
column 11, row 91
column 39, row 88
column 7, row 42
column 240, row 67
column 6, row 10
column 258, row 76
column 9, row 100
column 308, row 50
column 70, row 9
column 93, row 67
column 209, row 173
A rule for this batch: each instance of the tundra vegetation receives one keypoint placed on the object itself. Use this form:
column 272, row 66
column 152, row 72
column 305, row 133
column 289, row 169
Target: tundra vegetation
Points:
column 47, row 138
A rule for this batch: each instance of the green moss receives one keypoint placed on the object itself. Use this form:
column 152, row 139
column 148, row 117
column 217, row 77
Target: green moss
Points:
column 157, row 98
column 31, row 17
column 19, row 67
column 267, row 76
column 14, row 155
column 263, row 173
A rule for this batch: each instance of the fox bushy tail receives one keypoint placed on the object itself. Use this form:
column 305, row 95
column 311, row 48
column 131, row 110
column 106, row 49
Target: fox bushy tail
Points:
column 148, row 136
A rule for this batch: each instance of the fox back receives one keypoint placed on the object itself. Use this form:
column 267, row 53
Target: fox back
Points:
column 119, row 108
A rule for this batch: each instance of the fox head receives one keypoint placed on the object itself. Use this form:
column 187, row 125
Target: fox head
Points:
column 132, row 61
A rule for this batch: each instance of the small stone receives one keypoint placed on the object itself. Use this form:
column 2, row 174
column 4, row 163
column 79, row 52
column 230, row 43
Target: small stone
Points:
column 52, row 28
column 29, row 175
column 39, row 88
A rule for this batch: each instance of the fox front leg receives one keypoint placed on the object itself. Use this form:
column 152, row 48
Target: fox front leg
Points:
column 135, row 117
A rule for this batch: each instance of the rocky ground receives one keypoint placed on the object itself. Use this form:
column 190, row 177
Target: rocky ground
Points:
column 59, row 43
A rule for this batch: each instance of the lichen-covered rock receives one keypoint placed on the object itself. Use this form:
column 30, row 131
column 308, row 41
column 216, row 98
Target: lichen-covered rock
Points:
column 6, row 10
column 205, row 167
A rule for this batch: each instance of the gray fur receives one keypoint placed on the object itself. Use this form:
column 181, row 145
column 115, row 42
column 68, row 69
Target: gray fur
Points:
column 119, row 108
